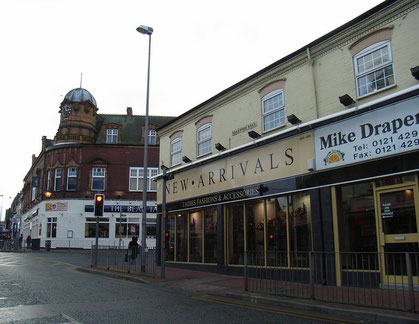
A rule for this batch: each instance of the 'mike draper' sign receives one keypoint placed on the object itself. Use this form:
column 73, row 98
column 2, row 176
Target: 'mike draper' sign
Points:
column 385, row 131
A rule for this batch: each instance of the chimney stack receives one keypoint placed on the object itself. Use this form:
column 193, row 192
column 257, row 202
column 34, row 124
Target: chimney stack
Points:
column 44, row 142
column 33, row 158
column 129, row 111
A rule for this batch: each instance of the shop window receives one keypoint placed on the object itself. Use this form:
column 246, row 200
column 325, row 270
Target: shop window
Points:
column 71, row 179
column 181, row 237
column 374, row 68
column 276, row 231
column 204, row 139
column 255, row 225
column 136, row 179
column 98, row 179
column 273, row 110
column 356, row 218
column 357, row 226
column 210, row 235
column 169, row 238
column 176, row 151
column 57, row 180
column 121, row 228
column 52, row 227
column 195, row 232
column 390, row 181
column 235, row 234
column 112, row 136
column 90, row 227
column 151, row 230
column 299, row 229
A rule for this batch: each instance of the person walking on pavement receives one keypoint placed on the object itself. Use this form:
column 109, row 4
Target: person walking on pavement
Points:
column 133, row 250
column 20, row 241
column 28, row 241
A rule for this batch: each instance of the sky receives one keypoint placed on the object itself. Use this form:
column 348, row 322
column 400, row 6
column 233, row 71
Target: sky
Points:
column 198, row 49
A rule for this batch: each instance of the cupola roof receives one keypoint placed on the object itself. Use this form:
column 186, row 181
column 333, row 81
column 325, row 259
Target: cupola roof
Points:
column 80, row 95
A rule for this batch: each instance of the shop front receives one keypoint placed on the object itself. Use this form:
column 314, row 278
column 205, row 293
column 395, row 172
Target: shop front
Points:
column 345, row 187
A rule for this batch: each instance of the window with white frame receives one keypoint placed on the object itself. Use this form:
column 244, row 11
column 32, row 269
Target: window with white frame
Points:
column 152, row 137
column 57, row 180
column 204, row 139
column 273, row 110
column 98, row 179
column 136, row 179
column 112, row 136
column 71, row 179
column 52, row 227
column 374, row 68
column 176, row 151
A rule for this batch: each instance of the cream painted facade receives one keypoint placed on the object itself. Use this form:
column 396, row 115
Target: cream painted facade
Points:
column 313, row 81
column 344, row 180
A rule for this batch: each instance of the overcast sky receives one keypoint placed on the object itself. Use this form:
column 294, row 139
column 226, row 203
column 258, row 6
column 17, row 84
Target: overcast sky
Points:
column 199, row 48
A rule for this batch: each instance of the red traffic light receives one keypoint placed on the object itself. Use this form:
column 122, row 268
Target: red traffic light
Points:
column 99, row 198
column 271, row 236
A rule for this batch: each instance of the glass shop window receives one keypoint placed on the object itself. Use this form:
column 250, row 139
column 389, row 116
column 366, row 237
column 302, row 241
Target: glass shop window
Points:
column 181, row 237
column 210, row 235
column 195, row 232
column 170, row 238
column 255, row 224
column 357, row 227
column 299, row 229
column 90, row 227
column 276, row 231
column 235, row 234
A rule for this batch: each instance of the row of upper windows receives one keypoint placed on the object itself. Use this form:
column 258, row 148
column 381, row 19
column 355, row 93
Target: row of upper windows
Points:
column 136, row 179
column 374, row 71
column 112, row 136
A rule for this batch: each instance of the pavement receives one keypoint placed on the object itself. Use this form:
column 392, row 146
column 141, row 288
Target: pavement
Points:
column 218, row 288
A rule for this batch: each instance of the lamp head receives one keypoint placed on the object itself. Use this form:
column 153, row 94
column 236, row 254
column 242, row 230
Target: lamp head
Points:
column 145, row 30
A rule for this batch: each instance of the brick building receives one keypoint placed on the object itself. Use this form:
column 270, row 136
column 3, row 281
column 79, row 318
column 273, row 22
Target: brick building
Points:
column 91, row 153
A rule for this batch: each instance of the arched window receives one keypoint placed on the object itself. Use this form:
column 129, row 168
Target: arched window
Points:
column 273, row 110
column 176, row 151
column 374, row 68
column 203, row 135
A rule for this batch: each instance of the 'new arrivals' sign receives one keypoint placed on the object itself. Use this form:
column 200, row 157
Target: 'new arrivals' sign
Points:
column 386, row 131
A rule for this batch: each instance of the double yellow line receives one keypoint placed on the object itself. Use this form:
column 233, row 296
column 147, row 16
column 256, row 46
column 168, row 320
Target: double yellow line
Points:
column 274, row 311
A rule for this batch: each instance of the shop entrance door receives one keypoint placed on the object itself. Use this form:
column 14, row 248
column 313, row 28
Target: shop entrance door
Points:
column 398, row 232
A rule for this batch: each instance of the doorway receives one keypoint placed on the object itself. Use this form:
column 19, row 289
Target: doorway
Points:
column 397, row 209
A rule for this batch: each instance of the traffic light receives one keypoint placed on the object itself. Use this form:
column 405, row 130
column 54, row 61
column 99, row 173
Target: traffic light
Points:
column 99, row 201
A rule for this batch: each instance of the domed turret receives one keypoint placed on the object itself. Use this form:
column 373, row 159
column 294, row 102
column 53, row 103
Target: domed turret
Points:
column 80, row 95
column 78, row 117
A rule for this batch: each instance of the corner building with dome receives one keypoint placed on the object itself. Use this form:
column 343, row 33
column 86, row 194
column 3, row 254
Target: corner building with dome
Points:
column 91, row 154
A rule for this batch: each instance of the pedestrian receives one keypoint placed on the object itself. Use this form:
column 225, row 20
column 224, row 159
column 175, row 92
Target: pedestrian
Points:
column 29, row 242
column 133, row 250
column 20, row 241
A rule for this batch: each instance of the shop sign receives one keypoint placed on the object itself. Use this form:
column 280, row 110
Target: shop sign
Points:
column 382, row 132
column 258, row 165
column 221, row 197
column 56, row 206
column 122, row 209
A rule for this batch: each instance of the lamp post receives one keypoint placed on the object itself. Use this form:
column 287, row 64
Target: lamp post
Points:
column 146, row 31
column 1, row 209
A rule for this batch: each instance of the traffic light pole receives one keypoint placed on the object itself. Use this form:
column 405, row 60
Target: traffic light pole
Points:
column 97, row 239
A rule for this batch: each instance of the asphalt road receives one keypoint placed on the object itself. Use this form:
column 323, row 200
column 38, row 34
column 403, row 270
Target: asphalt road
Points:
column 39, row 287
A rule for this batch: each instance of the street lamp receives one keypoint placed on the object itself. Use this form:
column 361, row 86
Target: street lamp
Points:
column 146, row 31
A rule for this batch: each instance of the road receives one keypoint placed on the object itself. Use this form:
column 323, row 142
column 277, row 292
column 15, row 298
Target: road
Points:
column 39, row 287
